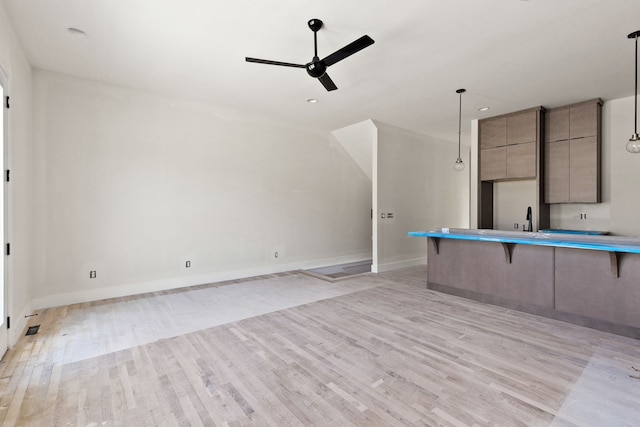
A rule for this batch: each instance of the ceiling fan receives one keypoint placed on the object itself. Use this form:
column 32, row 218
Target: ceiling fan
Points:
column 318, row 67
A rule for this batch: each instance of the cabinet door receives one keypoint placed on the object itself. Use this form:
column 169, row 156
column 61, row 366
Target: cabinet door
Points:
column 584, row 170
column 556, row 172
column 557, row 124
column 493, row 164
column 521, row 160
column 522, row 127
column 584, row 120
column 493, row 133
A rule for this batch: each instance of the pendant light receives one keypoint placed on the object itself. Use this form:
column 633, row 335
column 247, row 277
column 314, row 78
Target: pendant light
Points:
column 458, row 166
column 633, row 146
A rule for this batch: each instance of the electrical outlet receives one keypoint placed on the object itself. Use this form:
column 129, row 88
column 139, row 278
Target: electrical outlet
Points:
column 275, row 254
column 583, row 215
column 187, row 264
column 92, row 274
column 516, row 225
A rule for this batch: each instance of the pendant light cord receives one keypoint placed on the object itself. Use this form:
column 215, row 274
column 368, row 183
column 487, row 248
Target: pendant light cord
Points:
column 460, row 120
column 633, row 146
column 459, row 164
column 635, row 117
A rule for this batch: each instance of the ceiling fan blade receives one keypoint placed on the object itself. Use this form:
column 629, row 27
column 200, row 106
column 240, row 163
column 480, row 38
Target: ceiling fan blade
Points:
column 348, row 50
column 326, row 81
column 266, row 61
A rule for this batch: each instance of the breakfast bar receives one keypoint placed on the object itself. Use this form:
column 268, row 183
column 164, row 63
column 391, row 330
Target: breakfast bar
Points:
column 590, row 280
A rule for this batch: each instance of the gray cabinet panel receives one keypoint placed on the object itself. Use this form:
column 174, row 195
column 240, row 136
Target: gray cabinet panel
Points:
column 522, row 127
column 480, row 267
column 584, row 286
column 572, row 170
column 493, row 133
column 584, row 170
column 573, row 285
column 521, row 161
column 583, row 120
column 493, row 164
column 557, row 124
column 556, row 183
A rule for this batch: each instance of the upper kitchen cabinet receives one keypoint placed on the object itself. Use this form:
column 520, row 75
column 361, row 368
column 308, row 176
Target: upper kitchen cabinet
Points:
column 572, row 153
column 493, row 162
column 557, row 124
column 584, row 119
column 509, row 146
column 494, row 132
column 510, row 149
column 523, row 127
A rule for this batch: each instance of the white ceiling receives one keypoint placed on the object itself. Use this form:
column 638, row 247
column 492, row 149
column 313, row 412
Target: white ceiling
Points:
column 508, row 54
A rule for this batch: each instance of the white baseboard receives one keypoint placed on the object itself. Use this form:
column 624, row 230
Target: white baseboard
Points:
column 76, row 297
column 401, row 264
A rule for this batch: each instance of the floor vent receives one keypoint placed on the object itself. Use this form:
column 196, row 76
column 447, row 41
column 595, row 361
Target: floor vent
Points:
column 340, row 272
column 33, row 330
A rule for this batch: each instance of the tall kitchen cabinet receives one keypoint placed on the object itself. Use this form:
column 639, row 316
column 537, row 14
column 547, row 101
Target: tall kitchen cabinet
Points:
column 572, row 153
column 511, row 148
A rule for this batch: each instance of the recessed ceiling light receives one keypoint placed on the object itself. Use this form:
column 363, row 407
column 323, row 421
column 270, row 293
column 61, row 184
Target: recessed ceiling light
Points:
column 76, row 32
column 312, row 100
column 483, row 109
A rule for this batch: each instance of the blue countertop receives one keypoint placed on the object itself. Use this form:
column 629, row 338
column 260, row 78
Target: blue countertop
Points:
column 576, row 241
column 563, row 231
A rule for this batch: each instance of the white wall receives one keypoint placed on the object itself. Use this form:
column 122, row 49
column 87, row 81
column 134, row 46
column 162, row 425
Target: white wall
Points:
column 132, row 185
column 623, row 186
column 14, row 63
column 416, row 182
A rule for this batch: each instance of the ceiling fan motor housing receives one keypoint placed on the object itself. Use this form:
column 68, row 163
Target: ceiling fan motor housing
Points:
column 315, row 25
column 316, row 68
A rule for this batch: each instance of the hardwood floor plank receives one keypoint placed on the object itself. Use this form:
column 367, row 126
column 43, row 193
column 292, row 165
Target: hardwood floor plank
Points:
column 381, row 350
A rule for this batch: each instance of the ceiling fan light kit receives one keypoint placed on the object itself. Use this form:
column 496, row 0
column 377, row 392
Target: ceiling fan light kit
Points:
column 633, row 146
column 317, row 68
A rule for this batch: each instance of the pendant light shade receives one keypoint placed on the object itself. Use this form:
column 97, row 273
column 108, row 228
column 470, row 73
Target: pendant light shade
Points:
column 458, row 166
column 633, row 146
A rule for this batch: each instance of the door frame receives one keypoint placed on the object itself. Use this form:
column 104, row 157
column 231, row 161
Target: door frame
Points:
column 5, row 338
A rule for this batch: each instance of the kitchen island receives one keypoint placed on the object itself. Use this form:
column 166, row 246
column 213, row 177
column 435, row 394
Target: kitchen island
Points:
column 590, row 280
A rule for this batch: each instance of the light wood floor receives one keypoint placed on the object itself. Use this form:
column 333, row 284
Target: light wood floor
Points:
column 389, row 352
